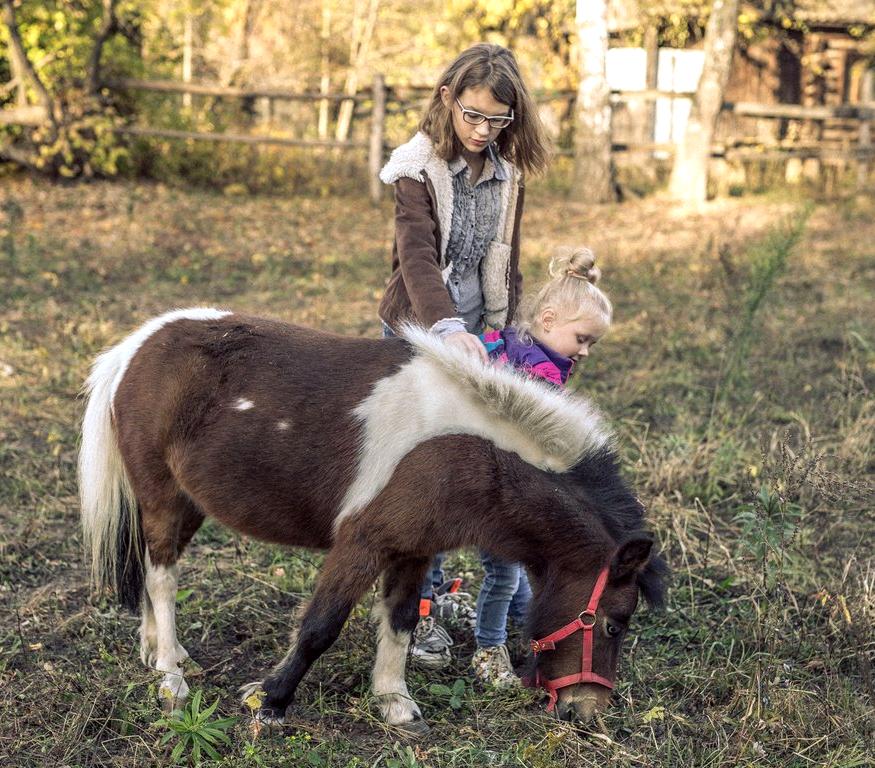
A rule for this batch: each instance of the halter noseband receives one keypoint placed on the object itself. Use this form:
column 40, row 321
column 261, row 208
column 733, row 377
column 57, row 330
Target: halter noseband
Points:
column 585, row 622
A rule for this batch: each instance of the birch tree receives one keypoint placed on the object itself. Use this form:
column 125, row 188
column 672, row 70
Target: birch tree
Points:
column 592, row 126
column 689, row 176
column 363, row 25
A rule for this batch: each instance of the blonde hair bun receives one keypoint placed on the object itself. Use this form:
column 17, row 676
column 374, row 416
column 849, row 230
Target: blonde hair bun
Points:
column 574, row 261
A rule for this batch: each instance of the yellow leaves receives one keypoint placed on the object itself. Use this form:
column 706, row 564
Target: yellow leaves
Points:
column 55, row 440
column 838, row 605
column 253, row 700
column 51, row 278
column 656, row 713
column 235, row 190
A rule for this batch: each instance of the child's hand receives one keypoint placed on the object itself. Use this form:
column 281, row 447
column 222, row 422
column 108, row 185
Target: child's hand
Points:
column 468, row 342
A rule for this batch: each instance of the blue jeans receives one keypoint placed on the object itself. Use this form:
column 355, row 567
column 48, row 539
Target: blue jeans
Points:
column 434, row 577
column 505, row 592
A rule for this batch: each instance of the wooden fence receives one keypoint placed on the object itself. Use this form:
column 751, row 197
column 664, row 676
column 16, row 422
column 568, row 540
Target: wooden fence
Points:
column 386, row 100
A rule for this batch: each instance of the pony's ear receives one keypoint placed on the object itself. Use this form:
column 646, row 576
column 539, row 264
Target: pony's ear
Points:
column 631, row 557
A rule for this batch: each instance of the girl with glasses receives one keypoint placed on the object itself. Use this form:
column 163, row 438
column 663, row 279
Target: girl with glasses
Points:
column 458, row 205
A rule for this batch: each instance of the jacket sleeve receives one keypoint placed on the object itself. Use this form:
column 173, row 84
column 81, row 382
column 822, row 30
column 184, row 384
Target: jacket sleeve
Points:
column 416, row 239
column 515, row 245
column 548, row 372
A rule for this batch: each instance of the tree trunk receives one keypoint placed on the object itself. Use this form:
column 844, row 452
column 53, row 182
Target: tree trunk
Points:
column 325, row 71
column 593, row 177
column 108, row 27
column 689, row 176
column 22, row 64
column 187, row 56
column 362, row 35
column 651, row 46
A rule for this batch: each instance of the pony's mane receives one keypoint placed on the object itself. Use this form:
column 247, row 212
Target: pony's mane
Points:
column 598, row 478
column 567, row 428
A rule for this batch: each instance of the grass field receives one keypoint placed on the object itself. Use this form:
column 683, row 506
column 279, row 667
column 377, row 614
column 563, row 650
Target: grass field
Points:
column 738, row 377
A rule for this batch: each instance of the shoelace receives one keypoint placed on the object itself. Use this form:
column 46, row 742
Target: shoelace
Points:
column 428, row 632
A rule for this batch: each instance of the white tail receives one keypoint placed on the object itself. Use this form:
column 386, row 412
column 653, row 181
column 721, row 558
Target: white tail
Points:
column 104, row 489
column 110, row 519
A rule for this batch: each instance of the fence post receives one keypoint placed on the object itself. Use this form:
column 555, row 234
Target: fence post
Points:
column 378, row 120
column 863, row 158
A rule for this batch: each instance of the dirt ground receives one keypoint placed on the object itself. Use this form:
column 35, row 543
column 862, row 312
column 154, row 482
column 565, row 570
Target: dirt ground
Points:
column 738, row 377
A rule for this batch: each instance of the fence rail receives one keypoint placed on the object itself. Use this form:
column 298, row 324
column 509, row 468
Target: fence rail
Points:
column 385, row 100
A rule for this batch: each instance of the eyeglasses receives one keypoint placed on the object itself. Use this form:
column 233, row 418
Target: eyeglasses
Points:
column 476, row 118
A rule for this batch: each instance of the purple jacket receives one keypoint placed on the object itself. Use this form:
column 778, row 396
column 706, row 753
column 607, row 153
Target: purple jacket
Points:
column 533, row 357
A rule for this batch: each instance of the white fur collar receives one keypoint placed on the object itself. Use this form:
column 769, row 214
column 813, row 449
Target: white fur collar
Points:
column 411, row 160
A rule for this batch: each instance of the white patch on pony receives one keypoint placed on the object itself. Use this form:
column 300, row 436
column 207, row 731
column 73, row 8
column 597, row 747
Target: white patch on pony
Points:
column 389, row 685
column 444, row 390
column 282, row 426
column 161, row 585
column 242, row 404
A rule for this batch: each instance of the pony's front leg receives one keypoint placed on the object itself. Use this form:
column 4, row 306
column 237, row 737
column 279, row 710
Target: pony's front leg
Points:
column 347, row 573
column 397, row 612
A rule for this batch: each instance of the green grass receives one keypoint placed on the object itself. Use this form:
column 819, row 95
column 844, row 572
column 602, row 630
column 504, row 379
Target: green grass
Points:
column 738, row 376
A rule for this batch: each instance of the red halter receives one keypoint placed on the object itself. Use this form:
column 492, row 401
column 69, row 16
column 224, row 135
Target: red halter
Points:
column 584, row 622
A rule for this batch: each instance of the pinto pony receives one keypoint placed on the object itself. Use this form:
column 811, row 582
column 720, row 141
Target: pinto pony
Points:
column 382, row 452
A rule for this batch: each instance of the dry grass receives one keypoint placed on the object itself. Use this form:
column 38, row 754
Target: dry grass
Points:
column 764, row 654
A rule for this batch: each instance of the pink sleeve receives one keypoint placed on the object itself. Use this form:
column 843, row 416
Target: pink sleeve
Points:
column 547, row 371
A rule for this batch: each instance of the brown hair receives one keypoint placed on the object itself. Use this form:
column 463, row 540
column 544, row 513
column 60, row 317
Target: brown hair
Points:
column 523, row 142
column 571, row 291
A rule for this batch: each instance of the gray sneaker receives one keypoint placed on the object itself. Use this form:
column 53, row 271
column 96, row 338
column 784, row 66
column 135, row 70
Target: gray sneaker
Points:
column 456, row 609
column 431, row 644
column 453, row 607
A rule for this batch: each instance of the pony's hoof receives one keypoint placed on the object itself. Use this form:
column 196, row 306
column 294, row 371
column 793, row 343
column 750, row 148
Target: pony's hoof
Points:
column 172, row 692
column 270, row 716
column 413, row 729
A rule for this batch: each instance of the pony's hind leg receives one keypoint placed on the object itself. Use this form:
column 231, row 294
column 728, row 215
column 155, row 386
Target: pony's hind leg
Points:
column 397, row 612
column 166, row 535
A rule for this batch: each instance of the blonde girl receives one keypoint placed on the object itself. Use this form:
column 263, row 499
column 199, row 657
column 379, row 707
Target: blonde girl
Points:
column 556, row 327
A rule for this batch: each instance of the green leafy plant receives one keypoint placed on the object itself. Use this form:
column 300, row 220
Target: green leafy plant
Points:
column 195, row 731
column 404, row 757
column 768, row 527
column 453, row 696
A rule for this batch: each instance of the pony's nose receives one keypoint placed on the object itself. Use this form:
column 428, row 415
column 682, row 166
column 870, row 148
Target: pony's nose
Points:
column 582, row 702
column 583, row 709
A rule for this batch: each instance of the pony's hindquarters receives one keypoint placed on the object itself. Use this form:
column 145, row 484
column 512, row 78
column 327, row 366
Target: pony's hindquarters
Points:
column 120, row 532
column 110, row 516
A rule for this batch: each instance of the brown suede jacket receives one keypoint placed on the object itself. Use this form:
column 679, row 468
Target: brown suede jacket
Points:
column 416, row 290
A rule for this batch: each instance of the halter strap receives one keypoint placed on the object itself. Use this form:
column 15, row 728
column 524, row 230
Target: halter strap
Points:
column 585, row 622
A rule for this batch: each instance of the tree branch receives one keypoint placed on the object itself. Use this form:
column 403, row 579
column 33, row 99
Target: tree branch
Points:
column 108, row 27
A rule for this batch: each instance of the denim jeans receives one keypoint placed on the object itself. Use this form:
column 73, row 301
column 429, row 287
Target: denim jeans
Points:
column 505, row 592
column 434, row 577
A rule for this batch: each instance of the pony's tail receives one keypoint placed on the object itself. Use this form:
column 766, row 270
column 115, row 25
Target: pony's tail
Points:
column 111, row 527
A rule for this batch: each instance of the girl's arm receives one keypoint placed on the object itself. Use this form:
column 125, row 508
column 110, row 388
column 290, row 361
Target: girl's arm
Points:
column 416, row 238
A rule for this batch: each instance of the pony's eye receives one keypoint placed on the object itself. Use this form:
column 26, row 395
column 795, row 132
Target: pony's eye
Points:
column 613, row 629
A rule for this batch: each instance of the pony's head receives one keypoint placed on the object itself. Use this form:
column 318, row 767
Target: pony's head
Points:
column 579, row 621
